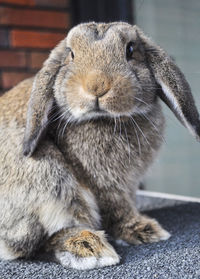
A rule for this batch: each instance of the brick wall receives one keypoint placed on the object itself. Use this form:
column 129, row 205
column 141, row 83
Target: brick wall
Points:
column 28, row 30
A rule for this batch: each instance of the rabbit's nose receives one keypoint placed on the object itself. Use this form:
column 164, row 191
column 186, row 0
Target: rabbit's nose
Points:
column 97, row 83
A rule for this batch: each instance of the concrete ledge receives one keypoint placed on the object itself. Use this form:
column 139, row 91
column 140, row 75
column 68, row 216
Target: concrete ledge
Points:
column 147, row 200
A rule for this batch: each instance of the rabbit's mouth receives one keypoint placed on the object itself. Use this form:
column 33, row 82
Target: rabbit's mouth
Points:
column 103, row 110
column 113, row 104
column 95, row 112
column 105, row 97
column 96, row 108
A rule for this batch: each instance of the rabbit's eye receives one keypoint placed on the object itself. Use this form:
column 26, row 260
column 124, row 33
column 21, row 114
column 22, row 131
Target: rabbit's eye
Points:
column 72, row 55
column 129, row 50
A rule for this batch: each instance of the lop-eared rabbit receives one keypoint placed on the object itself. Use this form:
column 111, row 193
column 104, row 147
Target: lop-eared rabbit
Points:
column 76, row 141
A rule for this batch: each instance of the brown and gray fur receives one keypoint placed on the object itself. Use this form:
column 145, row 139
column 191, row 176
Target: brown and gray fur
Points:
column 76, row 141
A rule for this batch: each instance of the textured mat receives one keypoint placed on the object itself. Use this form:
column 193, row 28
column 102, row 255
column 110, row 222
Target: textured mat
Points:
column 179, row 257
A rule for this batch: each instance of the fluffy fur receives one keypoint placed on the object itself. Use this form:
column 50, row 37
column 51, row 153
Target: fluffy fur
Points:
column 76, row 141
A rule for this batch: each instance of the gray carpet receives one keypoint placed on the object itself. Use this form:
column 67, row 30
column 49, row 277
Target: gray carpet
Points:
column 179, row 257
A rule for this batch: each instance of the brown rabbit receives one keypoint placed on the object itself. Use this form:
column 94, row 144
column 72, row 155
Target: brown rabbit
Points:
column 92, row 128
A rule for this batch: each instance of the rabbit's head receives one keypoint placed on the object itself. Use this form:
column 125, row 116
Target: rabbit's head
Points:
column 106, row 70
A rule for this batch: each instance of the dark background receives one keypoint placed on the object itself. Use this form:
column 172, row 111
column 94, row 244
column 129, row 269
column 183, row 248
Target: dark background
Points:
column 102, row 10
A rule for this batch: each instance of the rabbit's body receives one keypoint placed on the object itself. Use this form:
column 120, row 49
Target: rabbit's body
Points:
column 38, row 193
column 91, row 129
column 110, row 148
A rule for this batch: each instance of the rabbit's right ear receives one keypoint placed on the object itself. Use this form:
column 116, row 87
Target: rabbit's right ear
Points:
column 175, row 91
column 42, row 99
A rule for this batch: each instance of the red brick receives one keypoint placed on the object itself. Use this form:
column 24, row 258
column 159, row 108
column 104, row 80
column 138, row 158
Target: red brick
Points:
column 34, row 18
column 37, row 59
column 19, row 2
column 9, row 79
column 11, row 58
column 33, row 39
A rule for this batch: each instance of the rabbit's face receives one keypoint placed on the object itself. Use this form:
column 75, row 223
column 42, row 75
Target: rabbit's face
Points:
column 105, row 73
column 106, row 70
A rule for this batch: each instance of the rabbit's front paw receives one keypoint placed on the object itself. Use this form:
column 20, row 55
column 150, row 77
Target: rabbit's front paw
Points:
column 87, row 250
column 142, row 230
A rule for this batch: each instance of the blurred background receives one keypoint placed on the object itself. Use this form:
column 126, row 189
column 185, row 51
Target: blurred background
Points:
column 30, row 28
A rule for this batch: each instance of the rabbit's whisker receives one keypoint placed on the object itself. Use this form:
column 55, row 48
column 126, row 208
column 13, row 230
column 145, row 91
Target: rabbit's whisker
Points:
column 145, row 87
column 115, row 127
column 129, row 149
column 65, row 126
column 153, row 125
column 120, row 128
column 140, row 130
column 138, row 99
column 150, row 121
column 138, row 140
column 59, row 128
column 54, row 114
column 62, row 121
column 59, row 116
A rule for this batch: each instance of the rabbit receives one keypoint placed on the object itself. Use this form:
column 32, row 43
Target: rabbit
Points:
column 76, row 141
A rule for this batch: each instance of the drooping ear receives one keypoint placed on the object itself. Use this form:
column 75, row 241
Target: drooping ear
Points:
column 176, row 92
column 42, row 99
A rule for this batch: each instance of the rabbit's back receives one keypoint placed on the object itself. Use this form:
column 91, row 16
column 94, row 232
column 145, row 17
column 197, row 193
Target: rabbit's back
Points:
column 13, row 110
column 13, row 104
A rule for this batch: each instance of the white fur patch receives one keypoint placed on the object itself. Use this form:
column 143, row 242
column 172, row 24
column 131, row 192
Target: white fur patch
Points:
column 165, row 235
column 5, row 253
column 54, row 217
column 69, row 260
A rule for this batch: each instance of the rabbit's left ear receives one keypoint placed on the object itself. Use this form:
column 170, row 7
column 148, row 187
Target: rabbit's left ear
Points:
column 176, row 92
column 42, row 99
